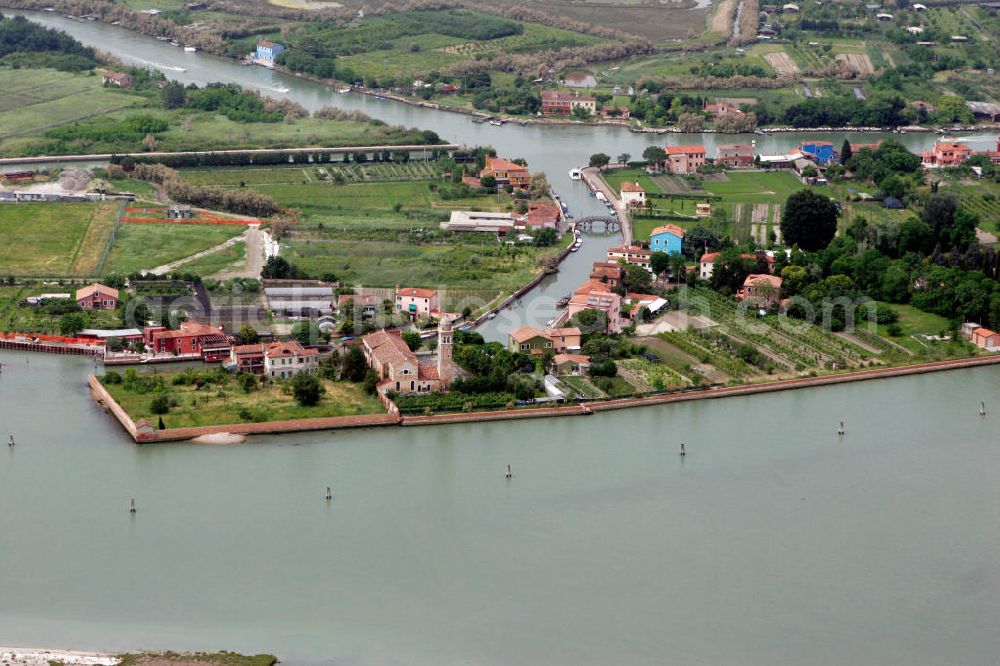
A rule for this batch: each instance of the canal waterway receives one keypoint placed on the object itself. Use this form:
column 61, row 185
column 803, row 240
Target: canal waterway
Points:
column 772, row 541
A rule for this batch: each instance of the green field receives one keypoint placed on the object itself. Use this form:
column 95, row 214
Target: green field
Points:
column 914, row 322
column 755, row 187
column 55, row 239
column 34, row 100
column 226, row 259
column 220, row 403
column 145, row 246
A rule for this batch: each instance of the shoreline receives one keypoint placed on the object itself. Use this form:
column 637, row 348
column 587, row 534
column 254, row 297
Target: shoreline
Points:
column 19, row 656
column 143, row 433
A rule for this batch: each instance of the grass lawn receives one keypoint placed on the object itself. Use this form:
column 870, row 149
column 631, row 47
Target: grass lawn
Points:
column 55, row 239
column 755, row 186
column 215, row 404
column 146, row 246
column 582, row 386
column 917, row 322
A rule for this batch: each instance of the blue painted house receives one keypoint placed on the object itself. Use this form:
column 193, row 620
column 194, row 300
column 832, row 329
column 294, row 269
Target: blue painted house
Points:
column 666, row 239
column 268, row 51
column 823, row 151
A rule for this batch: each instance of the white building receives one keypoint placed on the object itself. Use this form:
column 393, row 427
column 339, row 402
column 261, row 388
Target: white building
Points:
column 287, row 359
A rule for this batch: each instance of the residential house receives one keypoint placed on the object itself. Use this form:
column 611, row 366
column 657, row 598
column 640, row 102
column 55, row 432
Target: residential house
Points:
column 736, row 155
column 633, row 195
column 267, row 51
column 760, row 290
column 248, row 358
column 822, row 152
column 480, row 222
column 120, row 79
column 536, row 341
column 417, row 302
column 945, row 154
column 570, row 364
column 560, row 103
column 596, row 295
column 97, row 297
column 632, row 255
column 543, row 216
column 667, row 239
column 703, row 210
column 722, row 108
column 283, row 360
column 986, row 339
column 189, row 339
column 399, row 369
column 608, row 272
column 506, row 172
column 706, row 265
column 685, row 159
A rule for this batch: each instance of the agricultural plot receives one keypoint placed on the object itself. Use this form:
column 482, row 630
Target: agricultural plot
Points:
column 758, row 222
column 755, row 187
column 60, row 239
column 781, row 62
column 860, row 63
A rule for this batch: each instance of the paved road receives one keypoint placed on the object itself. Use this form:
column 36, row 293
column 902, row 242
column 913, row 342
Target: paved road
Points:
column 592, row 176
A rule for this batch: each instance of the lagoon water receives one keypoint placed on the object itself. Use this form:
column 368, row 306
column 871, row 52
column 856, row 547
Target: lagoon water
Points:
column 773, row 541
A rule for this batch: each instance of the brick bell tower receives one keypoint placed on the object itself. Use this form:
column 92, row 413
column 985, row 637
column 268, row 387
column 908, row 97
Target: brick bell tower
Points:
column 444, row 351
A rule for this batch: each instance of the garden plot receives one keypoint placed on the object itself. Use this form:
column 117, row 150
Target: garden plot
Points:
column 782, row 63
column 858, row 62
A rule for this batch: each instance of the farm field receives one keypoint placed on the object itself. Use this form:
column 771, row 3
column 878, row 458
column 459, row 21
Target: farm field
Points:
column 226, row 259
column 37, row 99
column 145, row 246
column 224, row 401
column 755, row 187
column 55, row 239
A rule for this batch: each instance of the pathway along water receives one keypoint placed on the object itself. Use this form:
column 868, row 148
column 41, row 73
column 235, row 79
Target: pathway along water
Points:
column 553, row 149
column 772, row 541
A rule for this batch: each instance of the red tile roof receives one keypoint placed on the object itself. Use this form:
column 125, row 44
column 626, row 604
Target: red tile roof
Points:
column 685, row 150
column 416, row 292
column 632, row 187
column 97, row 287
column 668, row 229
column 290, row 348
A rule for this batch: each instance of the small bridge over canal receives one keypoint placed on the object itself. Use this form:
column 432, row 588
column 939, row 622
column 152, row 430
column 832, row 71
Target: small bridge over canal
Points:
column 598, row 224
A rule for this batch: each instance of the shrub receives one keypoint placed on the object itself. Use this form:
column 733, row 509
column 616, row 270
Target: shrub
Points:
column 160, row 405
column 112, row 377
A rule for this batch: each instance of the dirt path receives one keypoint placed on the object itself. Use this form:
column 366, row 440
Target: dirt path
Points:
column 254, row 256
column 724, row 18
column 167, row 268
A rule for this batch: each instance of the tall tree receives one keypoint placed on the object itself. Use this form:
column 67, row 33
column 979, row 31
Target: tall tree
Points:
column 809, row 220
column 846, row 152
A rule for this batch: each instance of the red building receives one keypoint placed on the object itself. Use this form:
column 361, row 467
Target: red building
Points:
column 506, row 172
column 189, row 340
column 946, row 154
column 560, row 103
column 97, row 297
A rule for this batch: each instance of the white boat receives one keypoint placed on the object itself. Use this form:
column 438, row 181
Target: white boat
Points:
column 492, row 315
column 496, row 123
column 344, row 90
column 575, row 174
column 190, row 49
column 575, row 248
column 174, row 42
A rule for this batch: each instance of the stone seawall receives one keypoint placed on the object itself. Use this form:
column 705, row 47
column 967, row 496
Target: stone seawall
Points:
column 146, row 434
